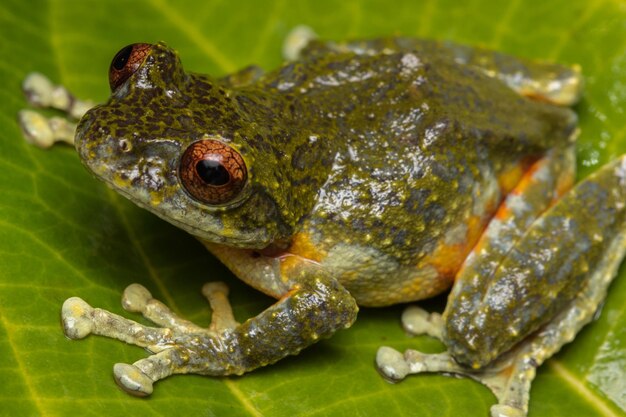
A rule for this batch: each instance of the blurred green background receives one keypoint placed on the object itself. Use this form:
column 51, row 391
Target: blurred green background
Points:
column 63, row 233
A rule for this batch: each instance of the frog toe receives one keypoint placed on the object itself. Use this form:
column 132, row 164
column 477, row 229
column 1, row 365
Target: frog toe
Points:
column 391, row 364
column 418, row 321
column 179, row 346
column 136, row 298
column 44, row 132
column 508, row 379
column 41, row 92
column 132, row 379
column 76, row 316
column 296, row 41
column 222, row 318
column 501, row 410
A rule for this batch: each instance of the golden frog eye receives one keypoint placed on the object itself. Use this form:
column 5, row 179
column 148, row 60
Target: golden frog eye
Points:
column 212, row 172
column 126, row 62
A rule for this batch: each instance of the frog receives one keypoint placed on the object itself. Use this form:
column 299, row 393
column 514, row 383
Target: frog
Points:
column 362, row 173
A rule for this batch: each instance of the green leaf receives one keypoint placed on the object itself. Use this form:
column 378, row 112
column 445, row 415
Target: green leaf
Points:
column 62, row 233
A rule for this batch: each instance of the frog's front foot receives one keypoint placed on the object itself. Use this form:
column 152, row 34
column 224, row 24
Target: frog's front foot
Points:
column 178, row 346
column 308, row 311
column 44, row 131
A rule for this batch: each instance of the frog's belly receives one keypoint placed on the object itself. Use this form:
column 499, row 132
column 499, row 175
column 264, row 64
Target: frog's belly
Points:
column 376, row 279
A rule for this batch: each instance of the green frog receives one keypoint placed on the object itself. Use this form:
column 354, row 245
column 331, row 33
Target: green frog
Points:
column 365, row 173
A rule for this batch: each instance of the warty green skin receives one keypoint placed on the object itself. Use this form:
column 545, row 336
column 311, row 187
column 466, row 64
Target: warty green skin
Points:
column 377, row 157
column 394, row 133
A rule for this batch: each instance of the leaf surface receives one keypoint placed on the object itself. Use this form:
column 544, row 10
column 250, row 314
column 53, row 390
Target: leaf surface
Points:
column 63, row 234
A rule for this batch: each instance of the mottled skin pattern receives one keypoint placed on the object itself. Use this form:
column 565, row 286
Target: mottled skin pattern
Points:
column 388, row 153
column 378, row 172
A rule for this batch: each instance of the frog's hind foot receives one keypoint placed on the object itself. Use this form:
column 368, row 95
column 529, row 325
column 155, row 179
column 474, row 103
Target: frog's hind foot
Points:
column 40, row 130
column 418, row 321
column 509, row 380
column 171, row 344
column 296, row 41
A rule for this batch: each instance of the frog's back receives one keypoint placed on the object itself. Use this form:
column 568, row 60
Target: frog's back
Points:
column 426, row 148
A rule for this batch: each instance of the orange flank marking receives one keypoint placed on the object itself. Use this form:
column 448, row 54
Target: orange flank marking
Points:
column 302, row 250
column 302, row 246
column 289, row 293
column 533, row 95
column 447, row 259
column 510, row 178
column 526, row 171
column 564, row 184
column 288, row 264
column 519, row 189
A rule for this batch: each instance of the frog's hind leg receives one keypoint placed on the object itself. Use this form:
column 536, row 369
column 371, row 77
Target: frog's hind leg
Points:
column 511, row 375
column 543, row 183
column 41, row 131
column 538, row 80
column 542, row 293
column 543, row 81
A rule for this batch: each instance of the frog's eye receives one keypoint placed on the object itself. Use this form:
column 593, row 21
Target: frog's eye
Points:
column 212, row 172
column 126, row 62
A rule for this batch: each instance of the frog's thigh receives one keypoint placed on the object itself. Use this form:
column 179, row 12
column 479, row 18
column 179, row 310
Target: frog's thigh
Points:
column 527, row 198
column 543, row 184
column 575, row 249
column 542, row 273
column 312, row 306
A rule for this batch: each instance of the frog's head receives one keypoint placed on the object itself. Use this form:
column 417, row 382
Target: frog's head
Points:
column 180, row 145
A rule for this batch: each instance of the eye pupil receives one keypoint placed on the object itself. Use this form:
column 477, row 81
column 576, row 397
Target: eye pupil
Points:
column 122, row 57
column 212, row 172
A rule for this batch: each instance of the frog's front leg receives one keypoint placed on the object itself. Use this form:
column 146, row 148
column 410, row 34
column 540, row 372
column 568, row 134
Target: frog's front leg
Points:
column 536, row 298
column 313, row 306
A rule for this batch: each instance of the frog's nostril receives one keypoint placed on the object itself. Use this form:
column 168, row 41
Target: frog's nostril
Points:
column 125, row 145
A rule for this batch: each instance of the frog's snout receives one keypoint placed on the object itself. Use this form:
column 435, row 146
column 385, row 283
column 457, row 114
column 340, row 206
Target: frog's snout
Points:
column 83, row 125
column 130, row 165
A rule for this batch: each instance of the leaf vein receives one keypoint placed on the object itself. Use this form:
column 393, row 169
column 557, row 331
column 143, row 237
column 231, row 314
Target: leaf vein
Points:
column 581, row 388
column 194, row 35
